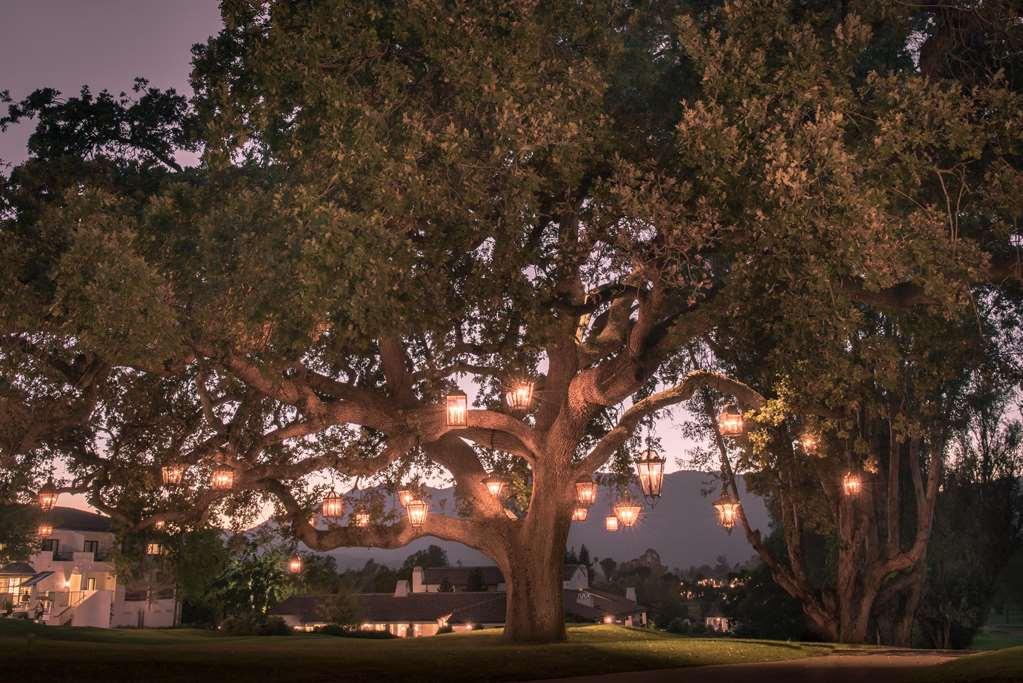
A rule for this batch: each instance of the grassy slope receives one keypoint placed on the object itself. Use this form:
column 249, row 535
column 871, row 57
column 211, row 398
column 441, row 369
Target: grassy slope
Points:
column 62, row 654
column 1003, row 665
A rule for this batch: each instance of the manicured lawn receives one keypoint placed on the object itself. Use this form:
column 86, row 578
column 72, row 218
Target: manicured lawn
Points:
column 1003, row 665
column 64, row 654
column 998, row 637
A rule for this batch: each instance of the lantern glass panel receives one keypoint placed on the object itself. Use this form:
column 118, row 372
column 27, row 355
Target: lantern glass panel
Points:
column 457, row 409
column 611, row 523
column 727, row 509
column 44, row 529
column 580, row 514
column 627, row 512
column 519, row 395
column 650, row 469
column 406, row 496
column 333, row 506
column 295, row 564
column 852, row 485
column 154, row 549
column 48, row 496
column 809, row 442
column 730, row 423
column 586, row 491
column 417, row 510
column 172, row 474
column 223, row 478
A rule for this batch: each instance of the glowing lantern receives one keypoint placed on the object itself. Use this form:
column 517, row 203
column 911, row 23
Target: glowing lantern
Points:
column 627, row 511
column 852, row 484
column 333, row 506
column 44, row 529
column 159, row 525
column 809, row 442
column 650, row 468
column 608, row 619
column 361, row 517
column 48, row 496
column 406, row 496
column 580, row 514
column 417, row 510
column 295, row 564
column 154, row 549
column 457, row 409
column 495, row 485
column 611, row 523
column 519, row 395
column 727, row 509
column 585, row 490
column 172, row 474
column 223, row 478
column 730, row 422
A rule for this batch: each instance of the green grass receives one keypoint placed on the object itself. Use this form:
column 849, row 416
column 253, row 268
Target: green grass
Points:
column 998, row 637
column 62, row 654
column 1003, row 665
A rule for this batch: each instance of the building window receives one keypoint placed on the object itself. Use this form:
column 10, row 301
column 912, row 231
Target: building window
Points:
column 90, row 585
column 92, row 547
column 51, row 544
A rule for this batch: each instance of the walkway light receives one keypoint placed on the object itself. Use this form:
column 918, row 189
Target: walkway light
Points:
column 611, row 523
column 172, row 474
column 627, row 511
column 456, row 409
column 727, row 509
column 580, row 514
column 44, row 529
column 585, row 490
column 295, row 564
column 223, row 478
column 406, row 496
column 333, row 506
column 519, row 395
column 852, row 484
column 495, row 485
column 48, row 496
column 650, row 468
column 730, row 422
column 417, row 510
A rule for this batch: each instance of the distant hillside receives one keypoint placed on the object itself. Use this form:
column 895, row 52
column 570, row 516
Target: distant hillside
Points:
column 682, row 528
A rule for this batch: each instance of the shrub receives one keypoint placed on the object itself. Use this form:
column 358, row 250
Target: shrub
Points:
column 273, row 626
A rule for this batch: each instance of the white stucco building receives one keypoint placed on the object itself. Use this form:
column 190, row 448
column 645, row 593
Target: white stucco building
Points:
column 71, row 580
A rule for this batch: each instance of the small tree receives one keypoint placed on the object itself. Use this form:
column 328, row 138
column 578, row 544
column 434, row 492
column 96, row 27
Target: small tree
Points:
column 341, row 608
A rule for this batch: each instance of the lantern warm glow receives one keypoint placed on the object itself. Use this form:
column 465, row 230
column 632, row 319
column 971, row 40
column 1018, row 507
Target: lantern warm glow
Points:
column 223, row 478
column 519, row 395
column 627, row 512
column 406, row 496
column 295, row 564
column 47, row 496
column 852, row 484
column 159, row 525
column 727, row 509
column 333, row 506
column 495, row 485
column 730, row 422
column 457, row 409
column 650, row 468
column 611, row 523
column 809, row 442
column 154, row 549
column 580, row 514
column 172, row 474
column 44, row 529
column 361, row 518
column 608, row 619
column 417, row 510
column 585, row 491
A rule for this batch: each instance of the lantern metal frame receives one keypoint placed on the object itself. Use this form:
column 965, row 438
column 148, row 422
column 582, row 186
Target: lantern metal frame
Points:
column 728, row 508
column 627, row 510
column 611, row 523
column 417, row 511
column 44, row 529
column 852, row 484
column 406, row 496
column 731, row 423
column 154, row 548
column 519, row 394
column 456, row 409
column 650, row 470
column 585, row 490
column 47, row 496
column 333, row 506
column 580, row 513
column 295, row 564
column 495, row 484
column 222, row 478
column 173, row 473
column 361, row 517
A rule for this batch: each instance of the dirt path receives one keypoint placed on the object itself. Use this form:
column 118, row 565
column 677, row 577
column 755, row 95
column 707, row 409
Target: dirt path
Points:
column 845, row 667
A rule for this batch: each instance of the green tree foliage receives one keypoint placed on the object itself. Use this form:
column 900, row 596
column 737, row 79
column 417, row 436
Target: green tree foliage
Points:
column 341, row 608
column 253, row 582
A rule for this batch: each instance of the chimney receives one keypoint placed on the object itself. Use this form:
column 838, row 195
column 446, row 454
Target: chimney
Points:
column 417, row 580
column 630, row 593
column 401, row 588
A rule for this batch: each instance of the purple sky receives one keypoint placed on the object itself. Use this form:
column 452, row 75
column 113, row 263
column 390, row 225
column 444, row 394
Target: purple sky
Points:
column 105, row 44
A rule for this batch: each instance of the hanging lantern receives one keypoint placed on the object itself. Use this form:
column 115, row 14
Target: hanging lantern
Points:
column 172, row 474
column 44, row 529
column 295, row 564
column 159, row 525
column 650, row 468
column 627, row 511
column 585, row 490
column 809, row 442
column 495, row 485
column 580, row 514
column 852, row 484
column 223, row 478
column 333, row 506
column 727, row 509
column 417, row 510
column 48, row 496
column 457, row 409
column 519, row 395
column 611, row 523
column 406, row 496
column 730, row 422
column 361, row 517
column 153, row 549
